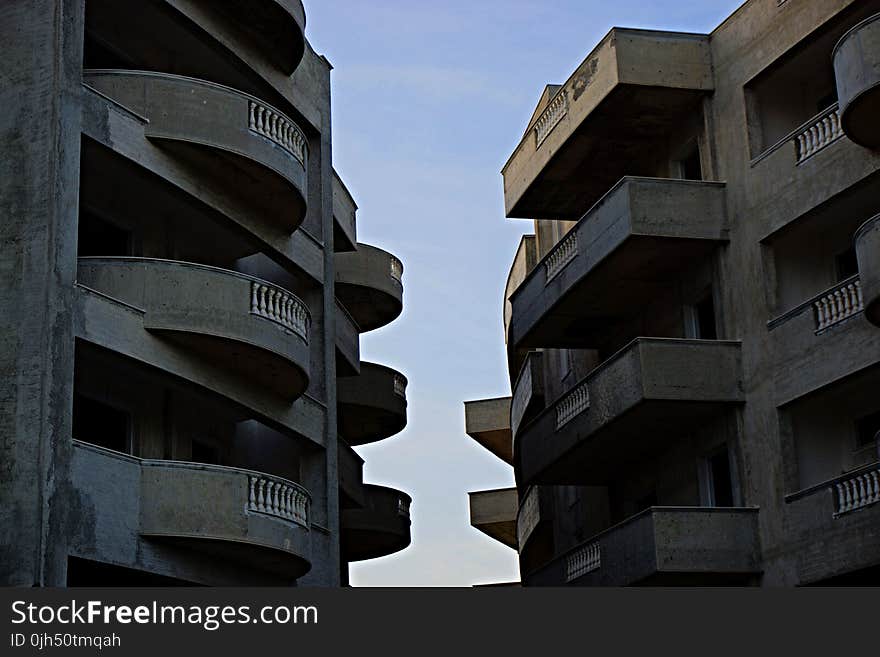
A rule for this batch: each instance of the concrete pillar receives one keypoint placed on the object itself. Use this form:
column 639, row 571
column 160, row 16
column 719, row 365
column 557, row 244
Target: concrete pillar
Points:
column 39, row 182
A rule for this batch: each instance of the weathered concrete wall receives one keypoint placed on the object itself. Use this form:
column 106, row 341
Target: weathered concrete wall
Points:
column 39, row 138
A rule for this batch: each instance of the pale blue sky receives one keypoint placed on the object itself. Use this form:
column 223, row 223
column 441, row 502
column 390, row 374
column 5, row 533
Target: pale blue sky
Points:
column 429, row 100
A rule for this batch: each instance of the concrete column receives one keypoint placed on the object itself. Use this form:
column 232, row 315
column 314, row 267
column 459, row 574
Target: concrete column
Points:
column 39, row 183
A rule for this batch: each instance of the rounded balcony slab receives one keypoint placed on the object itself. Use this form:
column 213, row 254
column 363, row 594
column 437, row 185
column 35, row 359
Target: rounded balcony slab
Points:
column 249, row 325
column 369, row 283
column 867, row 241
column 242, row 516
column 372, row 405
column 380, row 528
column 264, row 152
column 857, row 71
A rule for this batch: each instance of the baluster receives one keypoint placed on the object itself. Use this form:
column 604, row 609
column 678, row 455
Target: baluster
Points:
column 846, row 299
column 262, row 301
column 261, row 495
column 252, row 498
column 285, row 502
column 850, row 498
column 820, row 315
column 874, row 487
column 252, row 119
column 860, row 299
column 861, row 493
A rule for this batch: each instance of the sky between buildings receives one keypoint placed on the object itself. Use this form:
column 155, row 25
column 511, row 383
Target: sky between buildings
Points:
column 430, row 97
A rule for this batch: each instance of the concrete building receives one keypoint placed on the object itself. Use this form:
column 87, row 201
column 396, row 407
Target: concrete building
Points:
column 183, row 294
column 693, row 330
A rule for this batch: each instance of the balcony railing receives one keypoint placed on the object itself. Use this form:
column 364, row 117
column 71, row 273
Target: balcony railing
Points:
column 857, row 490
column 400, row 385
column 852, row 491
column 583, row 560
column 277, row 128
column 396, row 270
column 819, row 132
column 562, row 254
column 278, row 305
column 572, row 405
column 551, row 116
column 839, row 304
column 528, row 516
column 279, row 498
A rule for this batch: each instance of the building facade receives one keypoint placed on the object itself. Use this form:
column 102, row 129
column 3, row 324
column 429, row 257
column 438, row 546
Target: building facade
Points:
column 183, row 294
column 693, row 330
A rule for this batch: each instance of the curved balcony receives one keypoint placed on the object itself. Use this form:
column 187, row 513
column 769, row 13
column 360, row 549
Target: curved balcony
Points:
column 251, row 518
column 372, row 405
column 369, row 283
column 619, row 256
column 867, row 241
column 630, row 407
column 665, row 546
column 380, row 528
column 609, row 119
column 264, row 152
column 857, row 71
column 251, row 326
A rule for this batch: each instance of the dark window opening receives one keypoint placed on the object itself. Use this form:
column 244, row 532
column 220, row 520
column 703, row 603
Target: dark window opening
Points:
column 98, row 237
column 868, row 429
column 846, row 264
column 99, row 424
column 705, row 316
column 205, row 453
column 691, row 169
column 722, row 483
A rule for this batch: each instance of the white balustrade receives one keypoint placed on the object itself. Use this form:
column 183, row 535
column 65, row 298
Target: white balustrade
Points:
column 277, row 128
column 839, row 304
column 279, row 498
column 281, row 307
column 857, row 491
column 819, row 133
column 572, row 405
column 584, row 560
column 396, row 270
column 399, row 385
column 560, row 256
column 551, row 116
